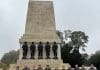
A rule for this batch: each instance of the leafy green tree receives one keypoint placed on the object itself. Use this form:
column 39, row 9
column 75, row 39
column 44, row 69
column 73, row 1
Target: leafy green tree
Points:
column 72, row 58
column 70, row 50
column 86, row 57
column 66, row 53
column 95, row 59
column 10, row 57
column 79, row 40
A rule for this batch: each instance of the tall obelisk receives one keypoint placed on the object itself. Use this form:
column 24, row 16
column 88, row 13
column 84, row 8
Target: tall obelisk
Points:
column 40, row 23
column 40, row 26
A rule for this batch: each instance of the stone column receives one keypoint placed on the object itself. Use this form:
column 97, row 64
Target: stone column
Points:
column 20, row 52
column 51, row 52
column 36, row 52
column 44, row 52
column 59, row 51
column 28, row 52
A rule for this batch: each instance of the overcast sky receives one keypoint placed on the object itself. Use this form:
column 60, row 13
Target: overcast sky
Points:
column 81, row 15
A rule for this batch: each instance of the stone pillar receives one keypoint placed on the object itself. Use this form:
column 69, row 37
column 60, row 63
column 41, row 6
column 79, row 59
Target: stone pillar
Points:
column 36, row 52
column 44, row 52
column 51, row 51
column 59, row 51
column 20, row 52
column 29, row 52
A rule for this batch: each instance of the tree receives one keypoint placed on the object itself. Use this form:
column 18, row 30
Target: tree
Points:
column 74, row 40
column 79, row 40
column 3, row 66
column 95, row 59
column 66, row 53
column 74, row 57
column 10, row 57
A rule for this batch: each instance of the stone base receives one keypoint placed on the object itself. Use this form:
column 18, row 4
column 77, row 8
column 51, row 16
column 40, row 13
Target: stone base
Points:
column 33, row 64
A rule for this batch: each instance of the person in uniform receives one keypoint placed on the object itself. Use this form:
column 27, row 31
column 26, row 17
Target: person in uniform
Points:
column 32, row 50
column 54, row 48
column 47, row 49
column 40, row 50
column 25, row 50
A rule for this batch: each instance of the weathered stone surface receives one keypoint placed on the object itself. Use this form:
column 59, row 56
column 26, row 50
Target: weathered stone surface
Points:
column 34, row 64
column 40, row 24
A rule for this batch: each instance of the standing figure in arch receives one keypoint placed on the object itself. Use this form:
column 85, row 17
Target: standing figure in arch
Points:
column 32, row 49
column 25, row 50
column 40, row 50
column 55, row 48
column 47, row 49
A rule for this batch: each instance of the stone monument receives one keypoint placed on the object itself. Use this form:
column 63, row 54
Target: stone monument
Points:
column 40, row 27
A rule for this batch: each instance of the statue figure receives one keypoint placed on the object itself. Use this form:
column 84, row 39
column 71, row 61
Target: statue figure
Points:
column 40, row 50
column 26, row 68
column 54, row 48
column 25, row 50
column 32, row 50
column 47, row 67
column 39, row 67
column 47, row 49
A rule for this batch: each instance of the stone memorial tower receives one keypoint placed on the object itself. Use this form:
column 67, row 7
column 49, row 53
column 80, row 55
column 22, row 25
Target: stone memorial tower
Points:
column 40, row 27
